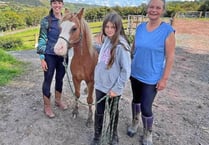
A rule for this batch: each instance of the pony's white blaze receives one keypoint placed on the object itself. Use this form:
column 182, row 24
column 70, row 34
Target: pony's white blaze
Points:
column 61, row 46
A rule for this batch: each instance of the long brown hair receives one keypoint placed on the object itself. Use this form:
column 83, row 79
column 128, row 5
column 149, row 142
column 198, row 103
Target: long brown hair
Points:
column 116, row 20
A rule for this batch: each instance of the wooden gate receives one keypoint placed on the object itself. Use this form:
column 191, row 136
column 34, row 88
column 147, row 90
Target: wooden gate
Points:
column 133, row 21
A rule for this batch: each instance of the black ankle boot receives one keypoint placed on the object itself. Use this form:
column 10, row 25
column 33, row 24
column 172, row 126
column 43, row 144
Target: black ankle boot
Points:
column 98, row 120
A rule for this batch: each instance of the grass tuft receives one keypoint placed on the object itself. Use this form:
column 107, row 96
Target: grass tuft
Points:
column 9, row 67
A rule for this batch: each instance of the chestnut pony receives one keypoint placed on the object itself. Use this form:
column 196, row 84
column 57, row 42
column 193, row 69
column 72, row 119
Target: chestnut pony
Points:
column 76, row 34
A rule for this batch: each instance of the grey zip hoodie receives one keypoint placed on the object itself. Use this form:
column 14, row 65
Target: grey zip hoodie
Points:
column 114, row 78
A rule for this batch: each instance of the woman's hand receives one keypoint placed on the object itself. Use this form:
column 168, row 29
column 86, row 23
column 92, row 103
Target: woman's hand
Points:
column 98, row 38
column 161, row 84
column 44, row 65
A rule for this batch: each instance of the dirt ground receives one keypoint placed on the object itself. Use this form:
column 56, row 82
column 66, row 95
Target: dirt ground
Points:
column 181, row 111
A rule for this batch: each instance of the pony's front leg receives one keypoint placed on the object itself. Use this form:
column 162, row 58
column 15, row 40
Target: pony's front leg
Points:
column 90, row 86
column 77, row 96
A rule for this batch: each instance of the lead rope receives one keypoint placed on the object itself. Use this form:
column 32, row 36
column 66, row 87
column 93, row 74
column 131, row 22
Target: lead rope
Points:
column 111, row 107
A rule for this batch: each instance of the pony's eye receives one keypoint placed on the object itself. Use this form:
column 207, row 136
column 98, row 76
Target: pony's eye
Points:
column 73, row 29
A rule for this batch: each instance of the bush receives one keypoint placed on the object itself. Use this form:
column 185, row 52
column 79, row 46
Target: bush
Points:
column 9, row 43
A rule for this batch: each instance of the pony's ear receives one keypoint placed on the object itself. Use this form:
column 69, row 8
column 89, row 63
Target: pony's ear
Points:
column 67, row 11
column 80, row 13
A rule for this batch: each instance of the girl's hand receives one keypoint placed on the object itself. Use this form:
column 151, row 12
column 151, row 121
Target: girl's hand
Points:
column 112, row 94
column 44, row 65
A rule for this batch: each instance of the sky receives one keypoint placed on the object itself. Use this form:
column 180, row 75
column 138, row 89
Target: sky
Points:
column 121, row 3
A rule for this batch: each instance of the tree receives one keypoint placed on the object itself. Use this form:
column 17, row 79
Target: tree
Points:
column 12, row 20
column 204, row 7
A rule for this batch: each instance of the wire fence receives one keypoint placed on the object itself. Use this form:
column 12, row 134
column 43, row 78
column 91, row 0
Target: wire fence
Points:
column 189, row 14
column 207, row 14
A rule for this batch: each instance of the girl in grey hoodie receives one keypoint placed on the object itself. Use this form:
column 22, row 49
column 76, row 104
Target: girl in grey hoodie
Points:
column 111, row 73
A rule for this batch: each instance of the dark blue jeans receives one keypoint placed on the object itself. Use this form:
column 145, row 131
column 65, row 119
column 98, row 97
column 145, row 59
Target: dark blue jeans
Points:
column 54, row 63
column 100, row 107
column 143, row 94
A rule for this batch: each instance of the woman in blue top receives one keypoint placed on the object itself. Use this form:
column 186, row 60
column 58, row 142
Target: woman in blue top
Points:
column 153, row 57
column 111, row 73
column 50, row 62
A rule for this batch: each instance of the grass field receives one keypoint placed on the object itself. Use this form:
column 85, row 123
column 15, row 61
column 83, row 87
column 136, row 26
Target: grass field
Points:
column 28, row 37
column 9, row 67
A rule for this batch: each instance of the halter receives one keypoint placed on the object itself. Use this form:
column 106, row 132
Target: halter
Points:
column 69, row 44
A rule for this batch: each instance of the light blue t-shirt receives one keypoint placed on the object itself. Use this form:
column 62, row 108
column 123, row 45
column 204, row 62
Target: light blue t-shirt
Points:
column 149, row 54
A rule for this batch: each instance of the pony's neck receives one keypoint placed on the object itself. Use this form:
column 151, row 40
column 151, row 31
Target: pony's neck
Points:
column 81, row 49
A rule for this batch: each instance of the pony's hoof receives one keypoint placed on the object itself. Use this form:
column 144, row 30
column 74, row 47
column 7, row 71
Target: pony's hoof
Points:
column 75, row 113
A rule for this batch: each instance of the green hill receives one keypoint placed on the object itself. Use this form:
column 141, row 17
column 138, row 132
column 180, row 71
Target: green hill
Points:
column 24, row 2
column 45, row 3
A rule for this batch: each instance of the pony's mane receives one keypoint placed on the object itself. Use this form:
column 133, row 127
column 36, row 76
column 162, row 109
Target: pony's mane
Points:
column 86, row 32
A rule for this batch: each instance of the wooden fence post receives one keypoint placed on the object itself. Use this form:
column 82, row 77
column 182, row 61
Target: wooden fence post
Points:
column 36, row 40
